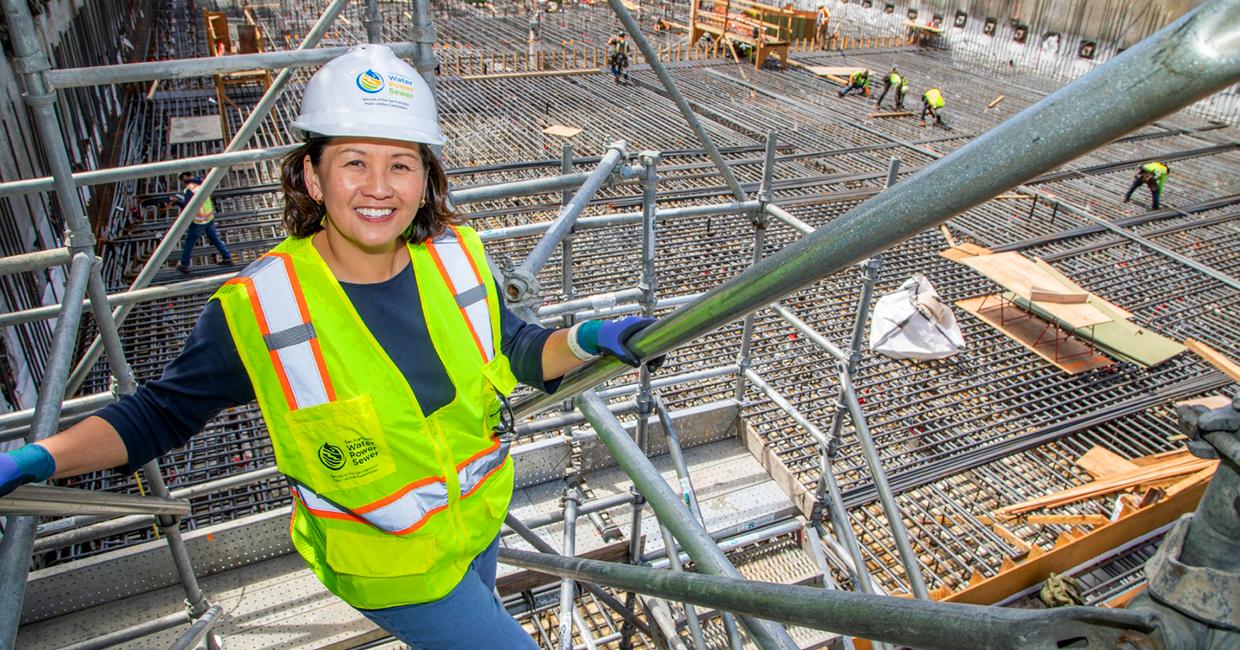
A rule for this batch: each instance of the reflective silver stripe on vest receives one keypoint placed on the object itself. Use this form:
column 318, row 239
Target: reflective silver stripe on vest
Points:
column 472, row 475
column 407, row 512
column 470, row 294
column 403, row 515
column 289, row 334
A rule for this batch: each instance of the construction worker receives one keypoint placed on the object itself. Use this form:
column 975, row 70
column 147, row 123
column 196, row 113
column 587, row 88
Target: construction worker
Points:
column 618, row 56
column 1153, row 175
column 203, row 223
column 859, row 81
column 822, row 21
column 380, row 352
column 891, row 80
column 901, row 93
column 932, row 103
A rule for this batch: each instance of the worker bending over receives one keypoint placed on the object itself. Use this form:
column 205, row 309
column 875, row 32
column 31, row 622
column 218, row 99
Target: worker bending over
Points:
column 1153, row 174
column 618, row 56
column 859, row 81
column 932, row 103
column 891, row 80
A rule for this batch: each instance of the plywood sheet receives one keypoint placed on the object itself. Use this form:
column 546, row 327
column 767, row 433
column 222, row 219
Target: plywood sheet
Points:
column 1067, row 353
column 562, row 131
column 1020, row 274
column 194, row 129
column 1100, row 461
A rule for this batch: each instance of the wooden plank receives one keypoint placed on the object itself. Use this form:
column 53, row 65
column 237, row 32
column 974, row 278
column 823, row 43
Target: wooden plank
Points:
column 1066, row 353
column 947, row 234
column 995, row 102
column 1100, row 461
column 891, row 114
column 562, row 131
column 974, row 249
column 1111, row 484
column 1067, row 520
column 1012, row 538
column 1089, row 545
column 1058, row 296
column 1203, row 476
column 955, row 254
column 1214, row 358
column 1019, row 274
column 1154, row 459
column 1210, row 402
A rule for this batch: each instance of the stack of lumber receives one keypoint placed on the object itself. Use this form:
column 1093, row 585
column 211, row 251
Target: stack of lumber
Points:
column 1169, row 473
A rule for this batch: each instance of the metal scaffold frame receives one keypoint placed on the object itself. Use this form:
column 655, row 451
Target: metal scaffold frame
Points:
column 1074, row 120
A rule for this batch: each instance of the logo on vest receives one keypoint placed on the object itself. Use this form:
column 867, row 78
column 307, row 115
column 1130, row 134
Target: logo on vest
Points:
column 331, row 456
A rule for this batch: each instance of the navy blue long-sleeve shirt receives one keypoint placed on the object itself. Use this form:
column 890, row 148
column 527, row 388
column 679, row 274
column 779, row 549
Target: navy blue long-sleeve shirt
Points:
column 208, row 376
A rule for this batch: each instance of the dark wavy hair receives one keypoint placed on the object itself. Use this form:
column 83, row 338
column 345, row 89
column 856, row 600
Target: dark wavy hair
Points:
column 303, row 216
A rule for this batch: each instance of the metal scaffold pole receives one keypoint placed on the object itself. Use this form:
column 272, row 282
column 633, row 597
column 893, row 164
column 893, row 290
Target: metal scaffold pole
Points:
column 672, row 512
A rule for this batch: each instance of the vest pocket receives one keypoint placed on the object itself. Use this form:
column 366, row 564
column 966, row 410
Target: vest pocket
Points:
column 375, row 555
column 497, row 379
column 341, row 445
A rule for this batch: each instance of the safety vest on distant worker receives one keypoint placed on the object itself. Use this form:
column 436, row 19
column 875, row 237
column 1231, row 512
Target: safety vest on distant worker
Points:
column 390, row 505
column 1159, row 171
column 207, row 212
column 934, row 98
column 894, row 79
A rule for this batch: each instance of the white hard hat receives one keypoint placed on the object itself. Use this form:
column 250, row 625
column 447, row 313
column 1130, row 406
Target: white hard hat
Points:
column 369, row 92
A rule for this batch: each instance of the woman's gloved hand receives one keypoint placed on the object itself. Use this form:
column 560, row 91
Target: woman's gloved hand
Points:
column 28, row 464
column 612, row 336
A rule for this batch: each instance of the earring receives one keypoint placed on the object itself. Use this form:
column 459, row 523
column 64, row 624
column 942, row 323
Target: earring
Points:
column 422, row 203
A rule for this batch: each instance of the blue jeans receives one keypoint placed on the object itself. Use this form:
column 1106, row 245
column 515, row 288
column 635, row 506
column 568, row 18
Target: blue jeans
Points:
column 470, row 616
column 194, row 233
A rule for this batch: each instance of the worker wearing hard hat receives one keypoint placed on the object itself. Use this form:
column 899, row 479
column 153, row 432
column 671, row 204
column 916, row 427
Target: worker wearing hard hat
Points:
column 891, row 80
column 932, row 104
column 1153, row 175
column 618, row 56
column 381, row 355
column 858, row 81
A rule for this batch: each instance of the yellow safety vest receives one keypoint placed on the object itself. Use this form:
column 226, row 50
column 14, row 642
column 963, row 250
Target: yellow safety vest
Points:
column 934, row 98
column 1158, row 169
column 390, row 505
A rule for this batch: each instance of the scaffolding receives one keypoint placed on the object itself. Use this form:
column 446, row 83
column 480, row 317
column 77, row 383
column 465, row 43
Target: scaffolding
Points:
column 1021, row 150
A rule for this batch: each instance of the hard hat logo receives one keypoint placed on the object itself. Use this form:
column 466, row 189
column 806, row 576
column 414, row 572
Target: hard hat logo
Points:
column 370, row 81
column 395, row 102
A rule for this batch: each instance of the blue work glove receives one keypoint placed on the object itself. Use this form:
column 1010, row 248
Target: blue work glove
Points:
column 612, row 336
column 28, row 464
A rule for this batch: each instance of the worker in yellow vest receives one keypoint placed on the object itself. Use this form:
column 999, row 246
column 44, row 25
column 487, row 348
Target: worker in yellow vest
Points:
column 202, row 223
column 858, row 81
column 932, row 103
column 891, row 80
column 1153, row 175
column 381, row 354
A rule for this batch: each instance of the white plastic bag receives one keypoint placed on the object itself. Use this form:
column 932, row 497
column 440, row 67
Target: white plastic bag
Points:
column 912, row 322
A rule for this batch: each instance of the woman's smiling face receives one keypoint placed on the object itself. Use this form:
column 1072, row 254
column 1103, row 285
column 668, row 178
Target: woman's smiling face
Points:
column 371, row 189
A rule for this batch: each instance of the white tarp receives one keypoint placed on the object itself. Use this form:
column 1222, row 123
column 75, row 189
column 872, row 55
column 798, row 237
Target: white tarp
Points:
column 912, row 322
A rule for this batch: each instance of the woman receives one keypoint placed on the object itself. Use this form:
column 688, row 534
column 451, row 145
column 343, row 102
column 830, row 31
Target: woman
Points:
column 380, row 352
